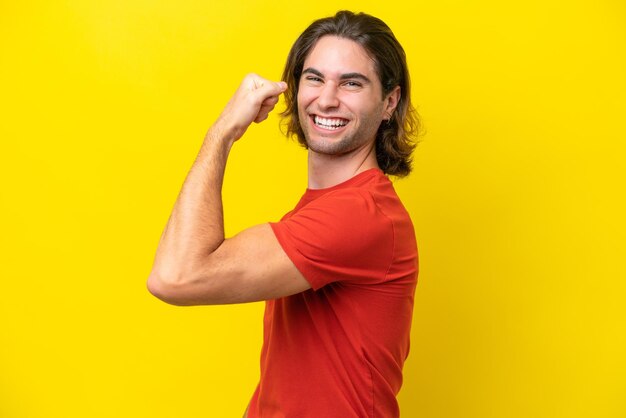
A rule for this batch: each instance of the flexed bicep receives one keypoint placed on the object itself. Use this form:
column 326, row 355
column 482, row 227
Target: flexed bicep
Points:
column 251, row 266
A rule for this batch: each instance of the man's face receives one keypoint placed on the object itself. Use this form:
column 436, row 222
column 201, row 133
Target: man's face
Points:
column 340, row 100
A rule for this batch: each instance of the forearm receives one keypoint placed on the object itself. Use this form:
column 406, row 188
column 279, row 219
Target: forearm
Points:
column 186, row 258
column 196, row 226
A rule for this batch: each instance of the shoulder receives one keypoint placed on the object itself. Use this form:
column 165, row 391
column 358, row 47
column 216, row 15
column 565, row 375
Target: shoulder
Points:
column 344, row 227
column 352, row 211
column 346, row 234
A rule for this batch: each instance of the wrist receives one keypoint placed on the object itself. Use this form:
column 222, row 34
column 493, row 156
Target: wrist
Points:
column 222, row 136
column 227, row 128
column 217, row 144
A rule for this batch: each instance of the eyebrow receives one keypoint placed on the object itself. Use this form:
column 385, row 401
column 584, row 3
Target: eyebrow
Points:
column 347, row 76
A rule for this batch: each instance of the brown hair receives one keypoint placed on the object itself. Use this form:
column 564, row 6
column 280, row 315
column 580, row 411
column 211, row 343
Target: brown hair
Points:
column 394, row 143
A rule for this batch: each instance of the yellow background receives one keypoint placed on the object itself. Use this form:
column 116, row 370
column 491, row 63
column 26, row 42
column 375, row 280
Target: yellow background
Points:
column 517, row 199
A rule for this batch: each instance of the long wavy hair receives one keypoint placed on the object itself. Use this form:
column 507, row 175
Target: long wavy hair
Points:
column 396, row 138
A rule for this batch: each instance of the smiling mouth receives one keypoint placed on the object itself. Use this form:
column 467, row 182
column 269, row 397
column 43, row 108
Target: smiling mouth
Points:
column 329, row 123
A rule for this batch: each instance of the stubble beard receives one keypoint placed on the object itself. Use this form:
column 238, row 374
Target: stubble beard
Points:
column 347, row 143
column 338, row 146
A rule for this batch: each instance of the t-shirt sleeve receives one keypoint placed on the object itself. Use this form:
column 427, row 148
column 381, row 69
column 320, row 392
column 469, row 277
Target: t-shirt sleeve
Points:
column 342, row 236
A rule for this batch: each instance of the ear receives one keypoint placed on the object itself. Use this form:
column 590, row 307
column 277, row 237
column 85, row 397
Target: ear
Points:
column 391, row 102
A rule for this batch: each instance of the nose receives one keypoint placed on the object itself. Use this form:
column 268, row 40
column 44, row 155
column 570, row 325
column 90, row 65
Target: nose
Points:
column 328, row 96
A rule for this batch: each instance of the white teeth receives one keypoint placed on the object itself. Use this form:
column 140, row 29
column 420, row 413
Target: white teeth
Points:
column 329, row 123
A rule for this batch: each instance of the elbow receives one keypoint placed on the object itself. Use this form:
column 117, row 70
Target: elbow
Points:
column 155, row 285
column 188, row 285
column 163, row 287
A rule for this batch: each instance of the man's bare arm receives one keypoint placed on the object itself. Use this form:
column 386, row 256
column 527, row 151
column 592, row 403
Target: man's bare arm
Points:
column 194, row 263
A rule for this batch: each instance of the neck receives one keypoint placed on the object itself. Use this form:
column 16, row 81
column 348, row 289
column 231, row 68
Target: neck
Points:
column 329, row 170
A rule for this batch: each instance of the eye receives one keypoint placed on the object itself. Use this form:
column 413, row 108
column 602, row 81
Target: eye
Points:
column 352, row 85
column 313, row 79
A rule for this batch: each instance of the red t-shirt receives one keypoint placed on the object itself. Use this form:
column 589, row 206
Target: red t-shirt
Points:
column 337, row 350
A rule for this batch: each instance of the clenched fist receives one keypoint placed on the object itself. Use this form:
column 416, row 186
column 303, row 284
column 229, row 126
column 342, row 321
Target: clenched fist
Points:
column 252, row 102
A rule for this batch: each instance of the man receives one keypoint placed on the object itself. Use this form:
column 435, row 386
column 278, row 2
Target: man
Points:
column 339, row 271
